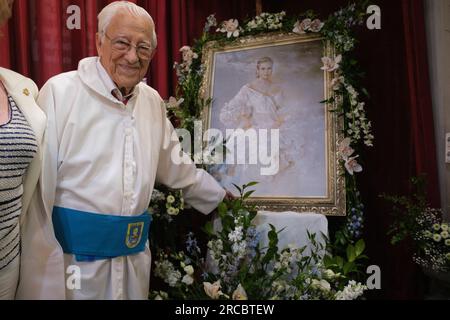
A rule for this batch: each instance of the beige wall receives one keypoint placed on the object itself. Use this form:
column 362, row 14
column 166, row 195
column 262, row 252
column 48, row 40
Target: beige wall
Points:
column 437, row 14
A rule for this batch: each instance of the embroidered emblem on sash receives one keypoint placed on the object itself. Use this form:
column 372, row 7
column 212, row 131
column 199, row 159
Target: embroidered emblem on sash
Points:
column 134, row 234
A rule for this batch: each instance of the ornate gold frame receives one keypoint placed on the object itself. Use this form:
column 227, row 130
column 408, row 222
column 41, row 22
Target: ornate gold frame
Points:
column 334, row 204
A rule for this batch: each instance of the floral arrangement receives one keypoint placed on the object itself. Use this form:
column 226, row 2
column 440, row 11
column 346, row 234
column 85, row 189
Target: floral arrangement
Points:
column 165, row 207
column 414, row 219
column 433, row 241
column 237, row 267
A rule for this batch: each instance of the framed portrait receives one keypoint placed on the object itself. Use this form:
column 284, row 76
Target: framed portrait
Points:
column 267, row 96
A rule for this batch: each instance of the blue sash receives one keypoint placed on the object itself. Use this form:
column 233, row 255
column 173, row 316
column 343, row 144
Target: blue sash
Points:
column 90, row 236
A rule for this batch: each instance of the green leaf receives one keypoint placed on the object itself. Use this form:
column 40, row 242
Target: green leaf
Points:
column 227, row 223
column 348, row 267
column 237, row 187
column 237, row 205
column 340, row 261
column 252, row 215
column 359, row 247
column 209, row 228
column 222, row 208
column 272, row 235
column 248, row 194
column 328, row 261
column 251, row 184
column 269, row 254
column 351, row 253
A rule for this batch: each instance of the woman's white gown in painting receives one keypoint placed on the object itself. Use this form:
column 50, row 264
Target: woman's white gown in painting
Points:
column 254, row 109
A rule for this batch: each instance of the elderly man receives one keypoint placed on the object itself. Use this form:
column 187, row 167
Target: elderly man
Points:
column 108, row 141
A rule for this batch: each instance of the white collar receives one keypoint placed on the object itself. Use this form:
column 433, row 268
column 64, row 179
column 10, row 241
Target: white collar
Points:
column 107, row 81
column 104, row 76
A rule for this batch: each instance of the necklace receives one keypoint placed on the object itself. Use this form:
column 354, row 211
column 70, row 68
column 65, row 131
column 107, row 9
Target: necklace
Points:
column 128, row 95
column 125, row 96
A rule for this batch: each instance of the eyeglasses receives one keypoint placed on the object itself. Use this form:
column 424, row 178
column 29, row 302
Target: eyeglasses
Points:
column 143, row 51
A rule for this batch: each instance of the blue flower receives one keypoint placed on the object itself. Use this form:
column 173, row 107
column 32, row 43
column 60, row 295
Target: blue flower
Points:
column 191, row 244
column 254, row 241
column 204, row 275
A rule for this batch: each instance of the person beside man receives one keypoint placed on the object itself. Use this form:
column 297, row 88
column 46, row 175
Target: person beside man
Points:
column 22, row 125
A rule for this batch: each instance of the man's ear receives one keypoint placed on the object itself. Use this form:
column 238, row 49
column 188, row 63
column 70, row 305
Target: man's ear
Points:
column 153, row 54
column 98, row 43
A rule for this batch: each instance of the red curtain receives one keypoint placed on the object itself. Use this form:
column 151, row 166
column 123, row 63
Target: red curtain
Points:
column 402, row 111
column 37, row 43
column 420, row 95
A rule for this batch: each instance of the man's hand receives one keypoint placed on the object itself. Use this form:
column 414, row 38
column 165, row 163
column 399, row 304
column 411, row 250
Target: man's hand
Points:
column 228, row 195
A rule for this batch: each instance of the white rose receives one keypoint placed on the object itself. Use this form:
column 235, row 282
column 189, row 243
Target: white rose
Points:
column 172, row 211
column 321, row 285
column 189, row 270
column 329, row 274
column 187, row 279
column 170, row 199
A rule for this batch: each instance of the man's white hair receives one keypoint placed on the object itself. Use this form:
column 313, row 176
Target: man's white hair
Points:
column 108, row 12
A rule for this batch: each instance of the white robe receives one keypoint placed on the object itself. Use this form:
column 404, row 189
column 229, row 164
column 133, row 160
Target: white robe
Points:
column 102, row 156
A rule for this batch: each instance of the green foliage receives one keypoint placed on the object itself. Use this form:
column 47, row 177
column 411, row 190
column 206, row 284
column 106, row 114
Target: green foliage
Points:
column 406, row 210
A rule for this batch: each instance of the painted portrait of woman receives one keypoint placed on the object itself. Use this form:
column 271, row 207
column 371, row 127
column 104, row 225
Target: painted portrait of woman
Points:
column 275, row 88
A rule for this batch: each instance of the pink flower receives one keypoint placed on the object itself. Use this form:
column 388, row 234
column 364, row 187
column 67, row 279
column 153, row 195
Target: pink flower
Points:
column 231, row 27
column 174, row 103
column 352, row 165
column 330, row 64
column 239, row 293
column 337, row 82
column 213, row 289
column 302, row 27
column 344, row 148
column 188, row 55
column 316, row 25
